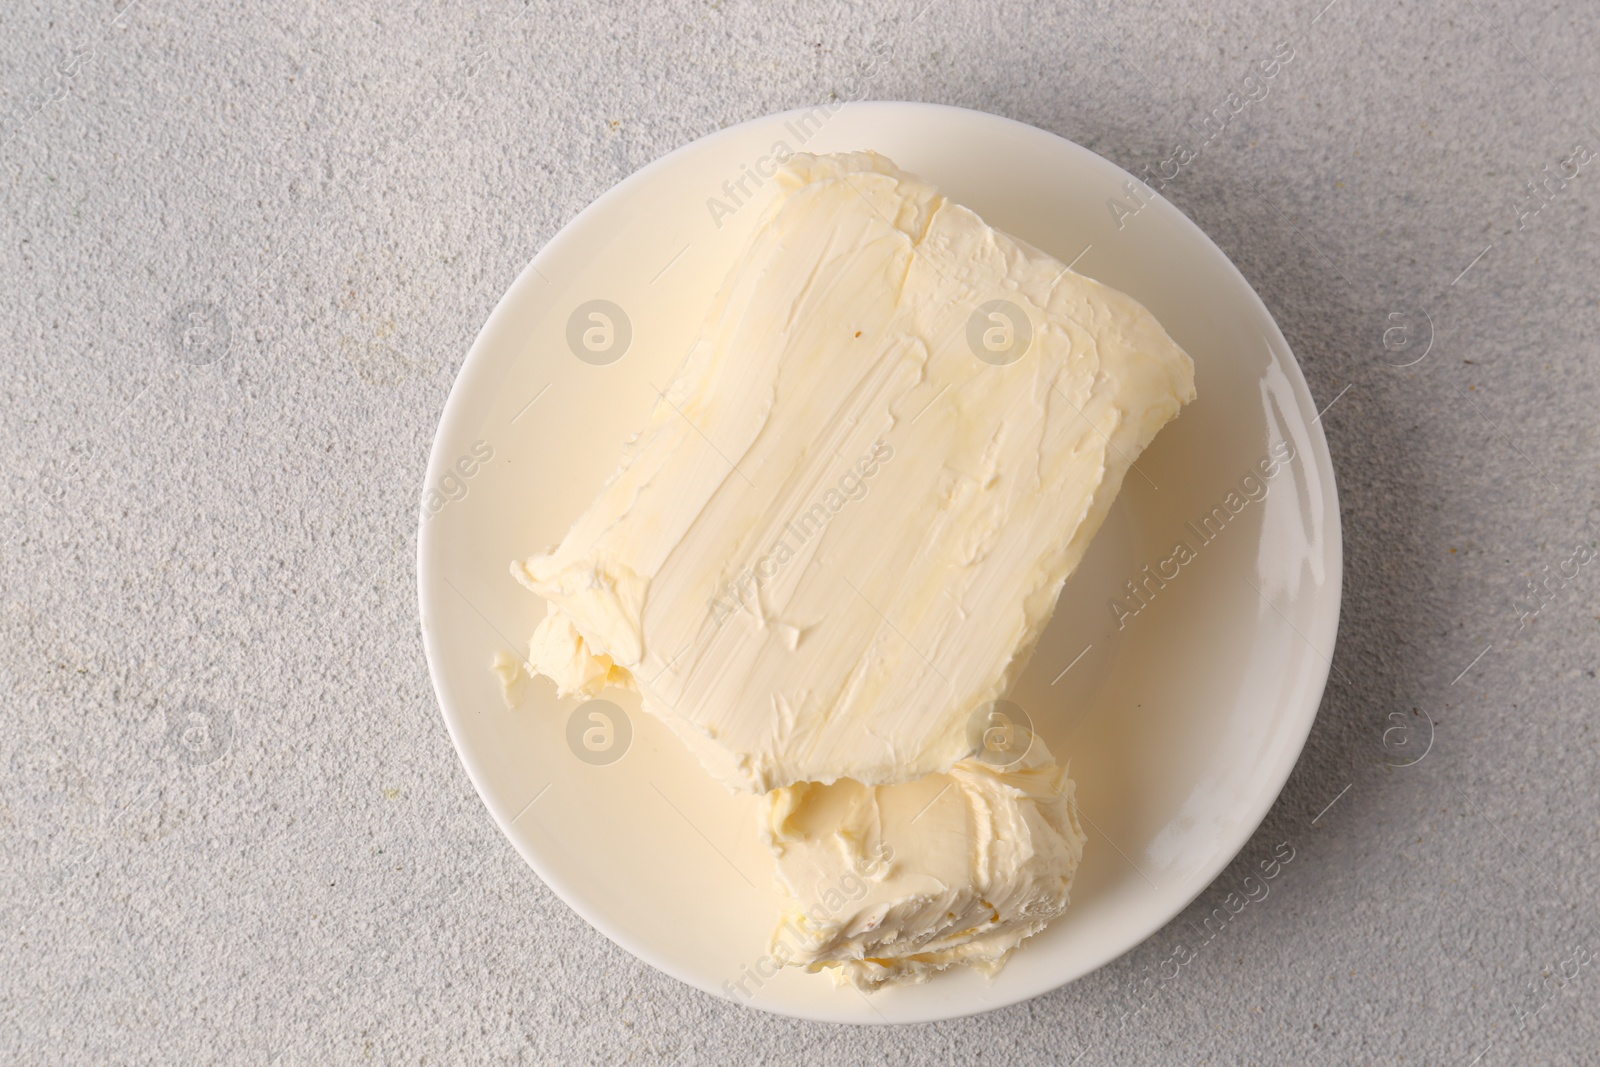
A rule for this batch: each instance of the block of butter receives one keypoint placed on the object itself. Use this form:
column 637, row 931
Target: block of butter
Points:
column 851, row 511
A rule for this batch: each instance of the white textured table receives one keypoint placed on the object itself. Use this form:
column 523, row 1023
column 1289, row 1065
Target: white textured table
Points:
column 244, row 254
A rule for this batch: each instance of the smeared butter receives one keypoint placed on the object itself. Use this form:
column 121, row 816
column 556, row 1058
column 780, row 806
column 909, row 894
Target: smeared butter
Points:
column 897, row 882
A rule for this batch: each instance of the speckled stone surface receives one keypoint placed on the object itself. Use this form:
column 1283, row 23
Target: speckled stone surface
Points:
column 244, row 253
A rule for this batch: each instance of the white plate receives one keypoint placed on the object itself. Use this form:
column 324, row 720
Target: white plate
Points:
column 1181, row 726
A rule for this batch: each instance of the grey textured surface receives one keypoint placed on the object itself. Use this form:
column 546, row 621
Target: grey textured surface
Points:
column 352, row 188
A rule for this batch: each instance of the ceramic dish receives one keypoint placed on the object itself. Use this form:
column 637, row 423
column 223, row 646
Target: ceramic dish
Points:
column 1181, row 714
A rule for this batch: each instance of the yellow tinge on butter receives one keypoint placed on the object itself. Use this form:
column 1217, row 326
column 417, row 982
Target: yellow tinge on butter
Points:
column 844, row 527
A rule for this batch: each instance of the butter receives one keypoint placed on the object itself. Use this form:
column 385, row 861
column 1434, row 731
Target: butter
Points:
column 894, row 883
column 863, row 643
column 508, row 669
column 840, row 534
